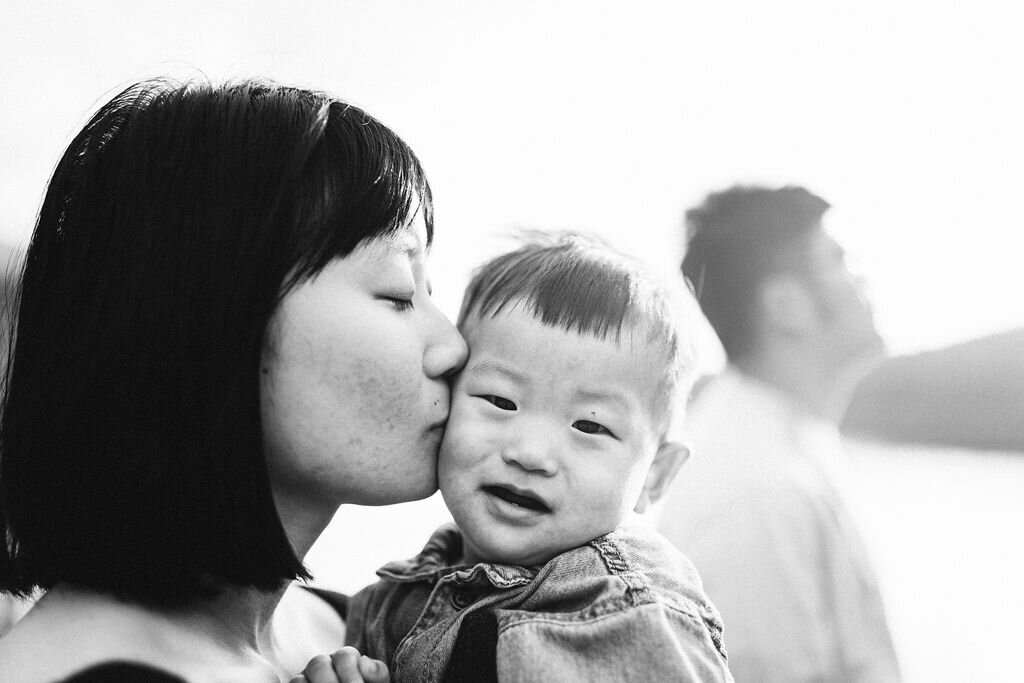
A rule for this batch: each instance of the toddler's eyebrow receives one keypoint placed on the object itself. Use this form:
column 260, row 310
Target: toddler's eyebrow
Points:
column 493, row 367
column 615, row 399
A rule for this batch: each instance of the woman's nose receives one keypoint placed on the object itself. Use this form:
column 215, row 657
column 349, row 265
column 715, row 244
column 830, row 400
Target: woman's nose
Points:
column 446, row 350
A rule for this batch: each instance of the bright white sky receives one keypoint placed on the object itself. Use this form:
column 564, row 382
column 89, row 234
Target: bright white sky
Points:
column 611, row 117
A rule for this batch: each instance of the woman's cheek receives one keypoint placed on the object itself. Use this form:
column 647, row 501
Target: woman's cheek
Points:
column 384, row 391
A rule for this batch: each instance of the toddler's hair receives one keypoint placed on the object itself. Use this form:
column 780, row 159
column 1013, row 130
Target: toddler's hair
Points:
column 581, row 284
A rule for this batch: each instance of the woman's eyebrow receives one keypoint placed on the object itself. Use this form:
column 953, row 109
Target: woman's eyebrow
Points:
column 412, row 251
column 403, row 246
column 406, row 243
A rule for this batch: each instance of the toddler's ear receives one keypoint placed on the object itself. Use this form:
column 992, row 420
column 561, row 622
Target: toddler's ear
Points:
column 670, row 457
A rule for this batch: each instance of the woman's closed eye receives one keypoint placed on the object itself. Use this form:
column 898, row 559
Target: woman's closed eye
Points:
column 401, row 302
column 498, row 401
column 591, row 427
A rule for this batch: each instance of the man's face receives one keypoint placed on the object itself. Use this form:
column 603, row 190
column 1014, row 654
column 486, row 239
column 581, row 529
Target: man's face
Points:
column 846, row 318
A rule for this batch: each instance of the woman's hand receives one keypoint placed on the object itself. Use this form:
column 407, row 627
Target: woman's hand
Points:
column 344, row 666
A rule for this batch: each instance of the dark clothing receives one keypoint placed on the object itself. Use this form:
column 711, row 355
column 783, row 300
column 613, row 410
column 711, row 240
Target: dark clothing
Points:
column 123, row 672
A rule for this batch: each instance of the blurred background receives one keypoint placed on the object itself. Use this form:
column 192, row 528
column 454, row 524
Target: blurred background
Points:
column 614, row 118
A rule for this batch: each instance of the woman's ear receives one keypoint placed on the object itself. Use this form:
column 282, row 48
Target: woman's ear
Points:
column 670, row 457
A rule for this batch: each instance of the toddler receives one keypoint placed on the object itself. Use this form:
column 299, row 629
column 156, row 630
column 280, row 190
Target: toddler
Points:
column 559, row 429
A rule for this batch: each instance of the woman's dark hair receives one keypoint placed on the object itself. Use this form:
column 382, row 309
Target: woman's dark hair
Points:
column 131, row 457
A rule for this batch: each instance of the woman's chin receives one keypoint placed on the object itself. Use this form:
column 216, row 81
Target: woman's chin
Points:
column 416, row 491
column 423, row 492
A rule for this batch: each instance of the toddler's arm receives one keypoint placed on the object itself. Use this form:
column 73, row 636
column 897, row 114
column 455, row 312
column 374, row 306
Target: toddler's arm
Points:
column 344, row 666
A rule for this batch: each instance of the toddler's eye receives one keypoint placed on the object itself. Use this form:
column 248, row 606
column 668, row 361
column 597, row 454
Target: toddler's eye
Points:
column 588, row 427
column 499, row 402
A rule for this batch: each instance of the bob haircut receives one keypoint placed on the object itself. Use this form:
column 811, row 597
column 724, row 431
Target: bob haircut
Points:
column 736, row 239
column 131, row 456
column 582, row 285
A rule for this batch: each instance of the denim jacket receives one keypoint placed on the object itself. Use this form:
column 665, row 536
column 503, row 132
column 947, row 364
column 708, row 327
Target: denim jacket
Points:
column 625, row 607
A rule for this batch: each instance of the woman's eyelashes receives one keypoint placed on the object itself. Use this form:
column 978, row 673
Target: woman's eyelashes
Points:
column 401, row 302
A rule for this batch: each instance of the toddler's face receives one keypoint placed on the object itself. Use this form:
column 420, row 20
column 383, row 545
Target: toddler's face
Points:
column 550, row 438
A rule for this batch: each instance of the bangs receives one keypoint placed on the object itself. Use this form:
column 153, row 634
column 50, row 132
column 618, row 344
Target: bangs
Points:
column 562, row 289
column 360, row 182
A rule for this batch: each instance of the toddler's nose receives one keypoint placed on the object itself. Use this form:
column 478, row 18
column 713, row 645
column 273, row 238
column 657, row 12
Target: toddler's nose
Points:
column 531, row 449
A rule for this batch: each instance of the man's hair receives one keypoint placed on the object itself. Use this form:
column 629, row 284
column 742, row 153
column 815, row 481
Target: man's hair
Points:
column 582, row 285
column 131, row 453
column 736, row 239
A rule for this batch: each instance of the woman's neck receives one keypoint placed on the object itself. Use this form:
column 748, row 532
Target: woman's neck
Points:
column 239, row 618
column 303, row 520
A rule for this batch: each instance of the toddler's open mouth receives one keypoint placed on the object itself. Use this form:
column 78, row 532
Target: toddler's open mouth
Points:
column 521, row 498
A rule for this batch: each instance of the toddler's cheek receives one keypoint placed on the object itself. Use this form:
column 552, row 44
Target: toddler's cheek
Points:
column 464, row 442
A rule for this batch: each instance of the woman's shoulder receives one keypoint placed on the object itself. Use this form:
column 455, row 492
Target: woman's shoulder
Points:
column 53, row 652
column 308, row 622
column 75, row 635
column 313, row 608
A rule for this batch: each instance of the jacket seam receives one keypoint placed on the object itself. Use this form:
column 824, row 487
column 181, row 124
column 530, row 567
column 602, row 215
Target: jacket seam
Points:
column 534, row 618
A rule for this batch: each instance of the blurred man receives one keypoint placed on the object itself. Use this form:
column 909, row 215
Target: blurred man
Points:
column 760, row 509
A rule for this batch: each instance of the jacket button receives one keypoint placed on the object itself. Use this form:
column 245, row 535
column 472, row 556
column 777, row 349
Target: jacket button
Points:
column 461, row 598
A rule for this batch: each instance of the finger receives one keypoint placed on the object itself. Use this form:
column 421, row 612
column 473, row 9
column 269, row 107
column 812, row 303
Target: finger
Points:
column 319, row 670
column 374, row 670
column 346, row 665
column 298, row 678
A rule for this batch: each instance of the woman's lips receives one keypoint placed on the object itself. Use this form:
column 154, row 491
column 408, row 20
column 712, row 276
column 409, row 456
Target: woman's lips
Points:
column 523, row 498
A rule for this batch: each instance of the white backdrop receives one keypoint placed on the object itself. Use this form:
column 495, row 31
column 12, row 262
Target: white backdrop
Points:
column 614, row 117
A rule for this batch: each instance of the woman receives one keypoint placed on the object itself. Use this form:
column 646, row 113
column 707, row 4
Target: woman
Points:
column 224, row 333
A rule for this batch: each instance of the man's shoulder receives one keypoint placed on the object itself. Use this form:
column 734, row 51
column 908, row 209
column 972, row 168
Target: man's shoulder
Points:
column 747, row 450
column 737, row 406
